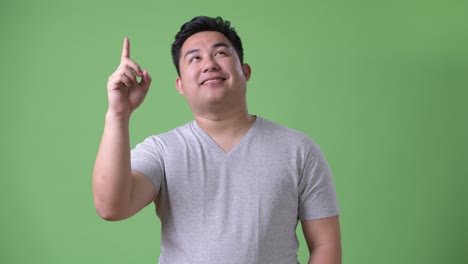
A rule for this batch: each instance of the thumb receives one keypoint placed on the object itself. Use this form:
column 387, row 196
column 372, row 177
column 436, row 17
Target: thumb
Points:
column 145, row 80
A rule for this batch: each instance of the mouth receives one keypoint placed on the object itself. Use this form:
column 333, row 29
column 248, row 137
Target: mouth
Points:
column 215, row 80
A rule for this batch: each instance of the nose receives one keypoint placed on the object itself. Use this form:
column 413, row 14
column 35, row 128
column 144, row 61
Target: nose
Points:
column 210, row 65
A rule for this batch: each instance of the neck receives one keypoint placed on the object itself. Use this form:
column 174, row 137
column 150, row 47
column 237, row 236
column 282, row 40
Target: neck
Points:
column 226, row 124
column 228, row 131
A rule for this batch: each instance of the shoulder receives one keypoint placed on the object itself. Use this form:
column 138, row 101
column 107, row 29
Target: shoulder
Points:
column 278, row 132
column 290, row 140
column 171, row 137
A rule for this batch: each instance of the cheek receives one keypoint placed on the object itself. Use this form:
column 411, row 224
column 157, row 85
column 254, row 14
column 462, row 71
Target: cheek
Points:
column 240, row 71
column 189, row 75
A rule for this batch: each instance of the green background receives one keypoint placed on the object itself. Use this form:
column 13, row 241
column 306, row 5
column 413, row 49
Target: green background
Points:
column 380, row 86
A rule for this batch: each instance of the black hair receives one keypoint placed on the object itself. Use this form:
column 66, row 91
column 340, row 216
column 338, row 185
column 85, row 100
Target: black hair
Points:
column 204, row 23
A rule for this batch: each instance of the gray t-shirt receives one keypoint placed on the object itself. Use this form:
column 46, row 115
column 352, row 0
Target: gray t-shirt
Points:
column 235, row 207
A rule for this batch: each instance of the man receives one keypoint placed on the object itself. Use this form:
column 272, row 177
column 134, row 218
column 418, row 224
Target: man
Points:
column 229, row 187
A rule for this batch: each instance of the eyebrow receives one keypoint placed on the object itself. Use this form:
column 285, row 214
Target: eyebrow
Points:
column 216, row 45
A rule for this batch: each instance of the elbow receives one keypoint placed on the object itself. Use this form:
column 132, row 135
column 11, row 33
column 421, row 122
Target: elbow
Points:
column 110, row 214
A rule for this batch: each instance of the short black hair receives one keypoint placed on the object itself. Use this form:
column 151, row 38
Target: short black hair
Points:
column 204, row 23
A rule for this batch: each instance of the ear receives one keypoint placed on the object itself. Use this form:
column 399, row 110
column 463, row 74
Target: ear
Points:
column 179, row 85
column 247, row 71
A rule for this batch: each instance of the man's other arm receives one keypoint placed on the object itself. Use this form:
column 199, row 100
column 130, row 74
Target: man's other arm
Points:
column 323, row 239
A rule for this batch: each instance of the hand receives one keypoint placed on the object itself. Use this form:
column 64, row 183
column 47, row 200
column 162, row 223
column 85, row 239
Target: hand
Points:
column 124, row 91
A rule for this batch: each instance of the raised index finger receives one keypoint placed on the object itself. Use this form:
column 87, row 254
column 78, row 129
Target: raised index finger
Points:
column 125, row 49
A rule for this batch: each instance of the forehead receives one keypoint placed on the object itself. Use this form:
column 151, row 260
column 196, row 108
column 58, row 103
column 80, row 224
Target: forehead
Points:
column 204, row 39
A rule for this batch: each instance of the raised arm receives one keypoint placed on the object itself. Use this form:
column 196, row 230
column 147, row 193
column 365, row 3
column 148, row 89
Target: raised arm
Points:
column 118, row 191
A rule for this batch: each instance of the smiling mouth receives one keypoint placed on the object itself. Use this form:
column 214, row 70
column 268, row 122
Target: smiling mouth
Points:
column 214, row 81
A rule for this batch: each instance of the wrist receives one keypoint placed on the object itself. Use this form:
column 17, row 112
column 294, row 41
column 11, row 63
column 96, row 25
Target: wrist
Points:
column 118, row 117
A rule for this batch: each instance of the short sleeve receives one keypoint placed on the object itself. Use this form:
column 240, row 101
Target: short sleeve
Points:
column 317, row 195
column 146, row 158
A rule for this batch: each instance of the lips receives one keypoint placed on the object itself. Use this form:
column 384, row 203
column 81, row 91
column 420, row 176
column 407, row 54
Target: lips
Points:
column 214, row 79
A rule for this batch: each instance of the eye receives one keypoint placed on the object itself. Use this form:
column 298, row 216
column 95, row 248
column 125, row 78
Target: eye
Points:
column 220, row 53
column 194, row 58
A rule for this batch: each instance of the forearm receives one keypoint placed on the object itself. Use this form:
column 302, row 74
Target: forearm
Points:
column 112, row 181
column 326, row 255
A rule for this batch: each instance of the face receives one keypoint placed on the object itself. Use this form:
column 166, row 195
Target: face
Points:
column 211, row 75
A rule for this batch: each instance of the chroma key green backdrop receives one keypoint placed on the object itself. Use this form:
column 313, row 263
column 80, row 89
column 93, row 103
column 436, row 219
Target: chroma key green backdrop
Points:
column 380, row 85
